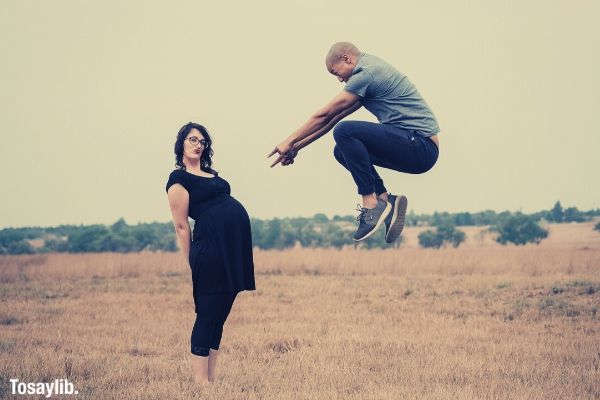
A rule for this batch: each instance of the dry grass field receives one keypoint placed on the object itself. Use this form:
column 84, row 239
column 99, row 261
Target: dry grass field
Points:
column 479, row 322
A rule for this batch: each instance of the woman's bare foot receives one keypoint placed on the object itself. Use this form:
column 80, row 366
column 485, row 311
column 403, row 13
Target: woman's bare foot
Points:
column 200, row 369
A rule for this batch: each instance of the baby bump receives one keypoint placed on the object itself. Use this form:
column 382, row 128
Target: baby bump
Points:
column 231, row 213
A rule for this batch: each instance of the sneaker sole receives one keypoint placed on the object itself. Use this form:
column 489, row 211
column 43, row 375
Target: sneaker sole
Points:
column 397, row 223
column 384, row 214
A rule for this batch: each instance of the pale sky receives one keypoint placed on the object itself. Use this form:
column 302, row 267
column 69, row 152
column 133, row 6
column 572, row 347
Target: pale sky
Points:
column 94, row 92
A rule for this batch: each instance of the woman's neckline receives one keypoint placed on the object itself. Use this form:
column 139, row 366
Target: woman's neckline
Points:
column 200, row 176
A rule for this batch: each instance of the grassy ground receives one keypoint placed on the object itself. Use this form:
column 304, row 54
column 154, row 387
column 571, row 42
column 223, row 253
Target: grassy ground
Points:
column 478, row 322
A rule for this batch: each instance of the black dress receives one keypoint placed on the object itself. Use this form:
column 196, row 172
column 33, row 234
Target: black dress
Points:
column 221, row 248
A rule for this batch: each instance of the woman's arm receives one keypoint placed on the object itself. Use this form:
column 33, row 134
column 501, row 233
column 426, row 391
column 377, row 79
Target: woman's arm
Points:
column 179, row 204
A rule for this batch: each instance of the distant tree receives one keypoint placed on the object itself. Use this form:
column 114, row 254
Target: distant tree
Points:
column 316, row 231
column 145, row 236
column 463, row 219
column 308, row 236
column 589, row 214
column 120, row 243
column 424, row 219
column 411, row 219
column 445, row 233
column 287, row 239
column 557, row 213
column 279, row 234
column 8, row 238
column 572, row 214
column 519, row 229
column 430, row 238
column 257, row 227
column 346, row 218
column 320, row 218
column 14, row 240
column 441, row 218
column 539, row 215
column 501, row 216
column 302, row 229
column 63, row 230
column 336, row 237
column 273, row 233
column 119, row 226
column 450, row 234
column 377, row 241
column 18, row 247
column 87, row 238
column 166, row 243
column 487, row 217
column 54, row 245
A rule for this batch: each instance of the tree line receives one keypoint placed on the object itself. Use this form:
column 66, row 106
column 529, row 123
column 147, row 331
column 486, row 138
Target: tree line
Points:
column 281, row 233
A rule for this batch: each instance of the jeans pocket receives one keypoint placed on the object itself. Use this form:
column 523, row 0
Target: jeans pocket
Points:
column 401, row 137
column 417, row 139
column 427, row 153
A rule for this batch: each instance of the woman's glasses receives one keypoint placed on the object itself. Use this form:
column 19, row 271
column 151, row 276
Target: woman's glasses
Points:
column 195, row 141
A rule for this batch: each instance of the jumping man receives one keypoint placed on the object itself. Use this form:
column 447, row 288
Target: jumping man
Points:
column 405, row 139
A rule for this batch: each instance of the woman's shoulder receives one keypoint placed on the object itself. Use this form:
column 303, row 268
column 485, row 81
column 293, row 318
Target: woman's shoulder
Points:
column 176, row 172
column 176, row 176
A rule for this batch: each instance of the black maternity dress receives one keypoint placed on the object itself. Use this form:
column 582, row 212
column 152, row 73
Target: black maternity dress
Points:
column 220, row 254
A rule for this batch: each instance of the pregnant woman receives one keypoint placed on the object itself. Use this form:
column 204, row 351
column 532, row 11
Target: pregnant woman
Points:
column 219, row 251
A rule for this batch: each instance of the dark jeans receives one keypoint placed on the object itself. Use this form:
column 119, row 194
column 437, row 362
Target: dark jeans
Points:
column 361, row 145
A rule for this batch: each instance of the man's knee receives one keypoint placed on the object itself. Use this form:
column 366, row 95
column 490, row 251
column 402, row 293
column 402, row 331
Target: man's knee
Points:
column 337, row 153
column 341, row 129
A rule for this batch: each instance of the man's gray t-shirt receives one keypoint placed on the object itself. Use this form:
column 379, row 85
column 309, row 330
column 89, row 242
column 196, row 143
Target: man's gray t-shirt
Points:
column 390, row 96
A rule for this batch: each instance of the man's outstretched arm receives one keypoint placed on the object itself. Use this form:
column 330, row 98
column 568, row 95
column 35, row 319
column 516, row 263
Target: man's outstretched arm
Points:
column 311, row 138
column 288, row 158
column 318, row 120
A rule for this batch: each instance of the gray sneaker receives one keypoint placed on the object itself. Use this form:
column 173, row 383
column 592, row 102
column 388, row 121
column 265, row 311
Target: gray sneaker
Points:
column 370, row 219
column 394, row 223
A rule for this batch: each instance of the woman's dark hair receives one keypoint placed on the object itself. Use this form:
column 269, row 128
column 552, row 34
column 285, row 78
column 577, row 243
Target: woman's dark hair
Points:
column 205, row 158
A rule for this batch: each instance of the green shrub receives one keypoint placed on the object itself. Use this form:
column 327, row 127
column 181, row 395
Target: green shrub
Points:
column 519, row 229
column 445, row 233
column 17, row 247
column 430, row 238
column 557, row 214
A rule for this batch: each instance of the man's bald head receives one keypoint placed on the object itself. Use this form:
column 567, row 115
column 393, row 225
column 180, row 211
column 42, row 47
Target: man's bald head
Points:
column 339, row 50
